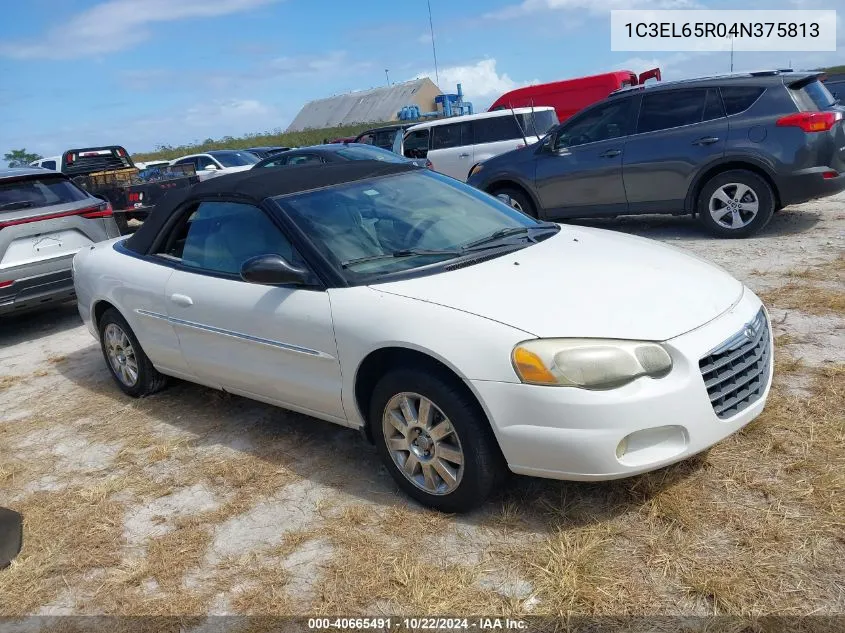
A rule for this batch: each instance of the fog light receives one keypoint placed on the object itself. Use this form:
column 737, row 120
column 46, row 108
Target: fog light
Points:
column 622, row 448
column 651, row 446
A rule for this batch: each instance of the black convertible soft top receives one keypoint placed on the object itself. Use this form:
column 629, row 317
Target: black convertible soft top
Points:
column 256, row 185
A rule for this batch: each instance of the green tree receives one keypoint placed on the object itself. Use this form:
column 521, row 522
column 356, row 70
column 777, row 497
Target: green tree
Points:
column 20, row 158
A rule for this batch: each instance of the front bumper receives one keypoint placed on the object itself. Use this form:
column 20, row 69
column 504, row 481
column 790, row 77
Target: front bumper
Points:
column 567, row 433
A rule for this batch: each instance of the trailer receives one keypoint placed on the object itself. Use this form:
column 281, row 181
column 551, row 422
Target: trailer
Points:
column 109, row 173
column 572, row 95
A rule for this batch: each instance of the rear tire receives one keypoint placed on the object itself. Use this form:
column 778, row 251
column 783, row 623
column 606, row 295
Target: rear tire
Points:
column 129, row 365
column 735, row 204
column 447, row 458
column 517, row 199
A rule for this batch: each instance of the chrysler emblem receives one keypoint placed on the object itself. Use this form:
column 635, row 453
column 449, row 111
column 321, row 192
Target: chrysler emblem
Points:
column 749, row 332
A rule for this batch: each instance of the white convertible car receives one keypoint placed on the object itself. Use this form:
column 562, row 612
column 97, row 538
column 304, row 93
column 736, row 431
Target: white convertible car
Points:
column 464, row 338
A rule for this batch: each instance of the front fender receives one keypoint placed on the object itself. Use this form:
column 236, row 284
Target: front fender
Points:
column 367, row 319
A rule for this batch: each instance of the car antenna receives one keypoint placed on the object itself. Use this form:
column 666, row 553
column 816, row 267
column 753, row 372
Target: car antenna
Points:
column 521, row 131
column 533, row 122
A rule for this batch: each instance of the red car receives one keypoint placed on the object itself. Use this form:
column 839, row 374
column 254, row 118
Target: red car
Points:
column 572, row 95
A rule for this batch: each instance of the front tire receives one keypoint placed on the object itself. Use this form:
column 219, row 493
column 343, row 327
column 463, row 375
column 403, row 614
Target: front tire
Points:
column 517, row 199
column 129, row 365
column 434, row 440
column 735, row 204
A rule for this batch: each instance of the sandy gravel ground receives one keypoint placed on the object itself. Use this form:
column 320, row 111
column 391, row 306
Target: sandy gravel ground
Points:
column 195, row 502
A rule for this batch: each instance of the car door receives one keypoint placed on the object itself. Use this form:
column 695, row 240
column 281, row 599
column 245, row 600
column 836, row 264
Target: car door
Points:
column 678, row 132
column 579, row 168
column 497, row 135
column 451, row 149
column 207, row 167
column 271, row 343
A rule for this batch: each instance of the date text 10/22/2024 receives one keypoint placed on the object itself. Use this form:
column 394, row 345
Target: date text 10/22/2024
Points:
column 416, row 624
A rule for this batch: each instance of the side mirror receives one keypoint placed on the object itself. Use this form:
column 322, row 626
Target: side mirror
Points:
column 272, row 270
column 212, row 167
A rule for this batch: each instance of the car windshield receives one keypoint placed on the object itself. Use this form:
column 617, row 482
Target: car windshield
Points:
column 370, row 153
column 235, row 159
column 399, row 222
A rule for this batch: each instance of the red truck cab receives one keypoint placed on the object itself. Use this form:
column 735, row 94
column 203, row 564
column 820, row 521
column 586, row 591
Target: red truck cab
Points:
column 572, row 95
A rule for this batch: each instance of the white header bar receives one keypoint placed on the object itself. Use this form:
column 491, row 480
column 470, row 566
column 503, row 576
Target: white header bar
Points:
column 700, row 30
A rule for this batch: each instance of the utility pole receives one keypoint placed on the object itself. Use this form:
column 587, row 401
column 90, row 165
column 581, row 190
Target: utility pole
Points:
column 387, row 76
column 433, row 49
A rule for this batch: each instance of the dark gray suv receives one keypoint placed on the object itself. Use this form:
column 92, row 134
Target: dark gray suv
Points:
column 730, row 150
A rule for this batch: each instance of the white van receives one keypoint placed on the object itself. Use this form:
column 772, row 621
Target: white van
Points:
column 456, row 144
column 51, row 162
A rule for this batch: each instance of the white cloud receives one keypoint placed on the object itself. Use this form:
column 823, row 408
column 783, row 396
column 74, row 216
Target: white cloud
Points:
column 481, row 82
column 527, row 7
column 117, row 25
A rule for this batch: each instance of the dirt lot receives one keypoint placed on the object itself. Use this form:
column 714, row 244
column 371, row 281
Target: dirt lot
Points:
column 194, row 502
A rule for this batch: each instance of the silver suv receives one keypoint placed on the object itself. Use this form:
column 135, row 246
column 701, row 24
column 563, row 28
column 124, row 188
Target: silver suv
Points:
column 44, row 220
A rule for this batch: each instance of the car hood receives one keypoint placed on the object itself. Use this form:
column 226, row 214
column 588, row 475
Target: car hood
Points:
column 585, row 282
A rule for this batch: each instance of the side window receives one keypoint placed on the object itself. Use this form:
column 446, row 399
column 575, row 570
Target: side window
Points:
column 279, row 162
column 48, row 164
column 713, row 108
column 739, row 98
column 187, row 161
column 367, row 138
column 384, row 138
column 602, row 123
column 494, row 129
column 220, row 236
column 451, row 135
column 204, row 161
column 671, row 108
column 305, row 159
column 416, row 144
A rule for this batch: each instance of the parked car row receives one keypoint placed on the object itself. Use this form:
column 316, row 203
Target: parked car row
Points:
column 434, row 317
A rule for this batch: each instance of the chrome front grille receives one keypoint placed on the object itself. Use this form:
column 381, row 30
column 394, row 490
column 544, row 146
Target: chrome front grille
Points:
column 736, row 372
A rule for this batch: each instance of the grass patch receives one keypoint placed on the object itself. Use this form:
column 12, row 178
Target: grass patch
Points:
column 808, row 298
column 276, row 137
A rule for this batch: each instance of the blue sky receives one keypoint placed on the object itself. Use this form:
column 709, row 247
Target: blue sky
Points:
column 147, row 72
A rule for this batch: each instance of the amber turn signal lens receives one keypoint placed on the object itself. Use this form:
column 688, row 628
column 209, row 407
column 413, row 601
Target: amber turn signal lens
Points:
column 531, row 369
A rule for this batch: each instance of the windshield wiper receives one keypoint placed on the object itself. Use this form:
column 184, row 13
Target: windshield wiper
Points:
column 406, row 252
column 18, row 204
column 508, row 232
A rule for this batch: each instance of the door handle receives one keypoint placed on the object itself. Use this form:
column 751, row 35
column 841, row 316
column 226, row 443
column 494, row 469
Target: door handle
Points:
column 706, row 140
column 463, row 155
column 182, row 300
column 611, row 153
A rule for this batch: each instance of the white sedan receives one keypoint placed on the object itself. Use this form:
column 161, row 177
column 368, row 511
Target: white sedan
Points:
column 218, row 162
column 464, row 338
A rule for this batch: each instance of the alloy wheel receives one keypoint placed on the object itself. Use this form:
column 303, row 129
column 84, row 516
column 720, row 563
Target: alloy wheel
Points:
column 423, row 443
column 734, row 205
column 508, row 200
column 121, row 354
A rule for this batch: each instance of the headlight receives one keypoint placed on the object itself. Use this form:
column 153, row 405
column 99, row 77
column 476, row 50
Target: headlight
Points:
column 588, row 363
